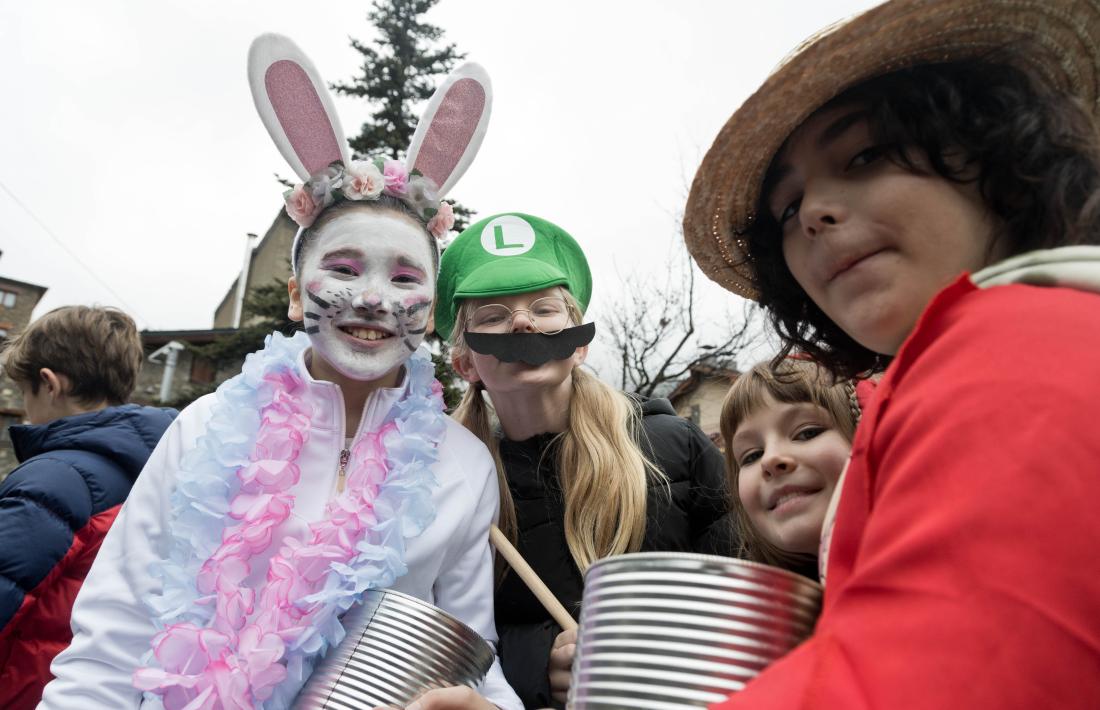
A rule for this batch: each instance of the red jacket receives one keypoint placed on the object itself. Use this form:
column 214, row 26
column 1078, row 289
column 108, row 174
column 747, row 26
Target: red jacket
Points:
column 963, row 570
column 40, row 630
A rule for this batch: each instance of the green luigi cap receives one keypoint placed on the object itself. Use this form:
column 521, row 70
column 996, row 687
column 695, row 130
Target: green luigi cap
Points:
column 506, row 254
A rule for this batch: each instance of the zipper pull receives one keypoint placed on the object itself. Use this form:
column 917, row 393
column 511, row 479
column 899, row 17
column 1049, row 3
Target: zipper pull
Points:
column 343, row 472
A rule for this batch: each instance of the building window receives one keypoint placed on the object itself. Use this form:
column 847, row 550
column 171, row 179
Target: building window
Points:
column 696, row 415
column 7, row 298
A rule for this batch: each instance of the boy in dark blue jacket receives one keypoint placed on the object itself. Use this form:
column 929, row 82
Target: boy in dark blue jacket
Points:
column 79, row 457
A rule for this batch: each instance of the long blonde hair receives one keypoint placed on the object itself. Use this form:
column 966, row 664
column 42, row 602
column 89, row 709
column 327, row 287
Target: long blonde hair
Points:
column 604, row 473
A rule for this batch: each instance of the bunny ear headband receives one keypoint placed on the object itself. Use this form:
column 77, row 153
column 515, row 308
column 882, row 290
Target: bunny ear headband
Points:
column 297, row 111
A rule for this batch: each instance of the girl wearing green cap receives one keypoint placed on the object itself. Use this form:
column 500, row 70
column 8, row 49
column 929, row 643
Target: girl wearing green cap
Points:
column 920, row 188
column 585, row 471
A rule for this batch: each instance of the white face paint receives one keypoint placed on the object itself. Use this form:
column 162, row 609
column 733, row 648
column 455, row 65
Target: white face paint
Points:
column 365, row 292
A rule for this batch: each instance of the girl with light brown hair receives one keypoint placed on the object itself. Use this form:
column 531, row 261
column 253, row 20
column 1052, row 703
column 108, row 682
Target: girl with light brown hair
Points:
column 787, row 430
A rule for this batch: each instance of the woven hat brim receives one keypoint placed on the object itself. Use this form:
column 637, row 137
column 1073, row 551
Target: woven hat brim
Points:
column 1059, row 39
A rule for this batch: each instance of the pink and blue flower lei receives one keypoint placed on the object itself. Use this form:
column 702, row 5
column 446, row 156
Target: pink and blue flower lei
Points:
column 223, row 644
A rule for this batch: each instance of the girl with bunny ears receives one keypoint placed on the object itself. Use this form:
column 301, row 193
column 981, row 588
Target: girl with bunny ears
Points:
column 327, row 467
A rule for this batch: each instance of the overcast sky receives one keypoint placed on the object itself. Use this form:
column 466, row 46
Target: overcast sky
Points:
column 128, row 129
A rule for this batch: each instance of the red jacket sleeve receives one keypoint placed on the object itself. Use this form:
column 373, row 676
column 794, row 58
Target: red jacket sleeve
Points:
column 963, row 570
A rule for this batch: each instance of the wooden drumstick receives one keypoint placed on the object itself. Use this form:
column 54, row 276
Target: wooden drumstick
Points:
column 536, row 585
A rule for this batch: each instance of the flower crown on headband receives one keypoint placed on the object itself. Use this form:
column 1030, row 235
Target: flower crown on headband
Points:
column 369, row 180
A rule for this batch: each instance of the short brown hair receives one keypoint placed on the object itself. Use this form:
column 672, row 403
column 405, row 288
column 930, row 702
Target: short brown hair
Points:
column 98, row 349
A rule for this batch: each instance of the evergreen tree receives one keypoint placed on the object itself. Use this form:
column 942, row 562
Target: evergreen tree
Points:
column 399, row 71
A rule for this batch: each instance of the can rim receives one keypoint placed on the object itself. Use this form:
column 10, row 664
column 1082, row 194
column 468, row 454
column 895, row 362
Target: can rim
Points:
column 699, row 557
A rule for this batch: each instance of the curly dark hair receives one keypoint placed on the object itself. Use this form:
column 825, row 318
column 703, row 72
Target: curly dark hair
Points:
column 1034, row 152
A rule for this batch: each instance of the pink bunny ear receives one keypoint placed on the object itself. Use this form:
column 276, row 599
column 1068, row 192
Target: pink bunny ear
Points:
column 294, row 105
column 450, row 132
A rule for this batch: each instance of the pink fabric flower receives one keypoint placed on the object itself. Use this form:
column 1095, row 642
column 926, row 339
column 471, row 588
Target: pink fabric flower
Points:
column 270, row 472
column 301, row 207
column 233, row 608
column 397, row 177
column 252, row 507
column 443, row 221
column 363, row 181
column 286, row 382
column 261, row 653
column 186, row 649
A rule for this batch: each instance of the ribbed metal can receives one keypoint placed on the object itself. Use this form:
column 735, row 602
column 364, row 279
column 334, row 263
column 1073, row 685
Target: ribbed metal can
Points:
column 669, row 630
column 396, row 647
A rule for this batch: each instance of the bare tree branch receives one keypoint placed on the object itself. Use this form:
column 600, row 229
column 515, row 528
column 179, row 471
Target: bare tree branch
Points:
column 656, row 332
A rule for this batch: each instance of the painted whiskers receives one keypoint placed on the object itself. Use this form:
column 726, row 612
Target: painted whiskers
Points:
column 410, row 317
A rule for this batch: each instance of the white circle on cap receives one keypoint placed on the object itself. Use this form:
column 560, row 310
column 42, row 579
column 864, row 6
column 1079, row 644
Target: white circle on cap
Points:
column 508, row 235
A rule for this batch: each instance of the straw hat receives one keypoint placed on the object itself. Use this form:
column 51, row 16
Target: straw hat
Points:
column 1059, row 39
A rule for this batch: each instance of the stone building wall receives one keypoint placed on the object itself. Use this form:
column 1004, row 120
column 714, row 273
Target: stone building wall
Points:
column 699, row 397
column 17, row 301
column 704, row 404
column 15, row 314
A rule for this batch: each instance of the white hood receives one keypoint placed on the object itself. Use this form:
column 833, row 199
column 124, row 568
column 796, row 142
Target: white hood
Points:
column 1076, row 267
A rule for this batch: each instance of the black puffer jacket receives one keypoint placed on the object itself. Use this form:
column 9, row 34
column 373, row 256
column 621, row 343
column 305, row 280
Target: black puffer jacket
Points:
column 693, row 519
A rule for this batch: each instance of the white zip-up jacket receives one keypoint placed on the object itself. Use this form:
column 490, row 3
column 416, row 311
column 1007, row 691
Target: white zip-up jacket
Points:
column 450, row 564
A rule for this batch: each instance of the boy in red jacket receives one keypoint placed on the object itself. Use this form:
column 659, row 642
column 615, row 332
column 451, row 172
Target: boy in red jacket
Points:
column 79, row 455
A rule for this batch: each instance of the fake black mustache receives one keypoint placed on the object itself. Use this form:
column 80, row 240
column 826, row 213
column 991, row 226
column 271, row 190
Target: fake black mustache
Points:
column 531, row 348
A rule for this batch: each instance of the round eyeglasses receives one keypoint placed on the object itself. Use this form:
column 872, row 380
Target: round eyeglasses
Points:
column 549, row 315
